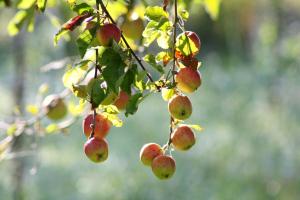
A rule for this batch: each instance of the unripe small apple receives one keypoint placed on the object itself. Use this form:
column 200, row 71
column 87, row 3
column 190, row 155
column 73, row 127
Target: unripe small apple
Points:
column 108, row 32
column 190, row 42
column 55, row 107
column 133, row 28
column 102, row 126
column 149, row 152
column 188, row 80
column 180, row 107
column 183, row 138
column 163, row 167
column 122, row 100
column 96, row 149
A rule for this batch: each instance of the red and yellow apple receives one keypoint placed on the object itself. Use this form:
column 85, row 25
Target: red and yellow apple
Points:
column 122, row 100
column 149, row 152
column 188, row 80
column 180, row 107
column 102, row 126
column 183, row 138
column 96, row 149
column 107, row 33
column 163, row 167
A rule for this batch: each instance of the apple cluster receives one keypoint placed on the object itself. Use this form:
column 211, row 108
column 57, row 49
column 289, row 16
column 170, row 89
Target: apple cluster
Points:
column 187, row 80
column 97, row 126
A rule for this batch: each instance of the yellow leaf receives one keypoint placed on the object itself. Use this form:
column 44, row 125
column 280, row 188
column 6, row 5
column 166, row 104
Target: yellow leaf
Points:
column 212, row 7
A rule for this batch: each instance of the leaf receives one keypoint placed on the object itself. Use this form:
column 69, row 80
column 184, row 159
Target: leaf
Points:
column 196, row 127
column 155, row 13
column 84, row 40
column 133, row 103
column 11, row 130
column 82, row 8
column 76, row 109
column 167, row 94
column 17, row 22
column 212, row 7
column 150, row 59
column 41, row 4
column 129, row 79
column 113, row 71
column 25, row 4
column 73, row 76
column 96, row 93
column 114, row 119
column 184, row 14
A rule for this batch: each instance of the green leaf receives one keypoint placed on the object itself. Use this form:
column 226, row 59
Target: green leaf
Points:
column 82, row 8
column 74, row 75
column 150, row 59
column 113, row 69
column 84, row 40
column 17, row 22
column 133, row 103
column 96, row 93
column 59, row 34
column 129, row 79
column 25, row 4
column 41, row 4
column 184, row 14
column 155, row 13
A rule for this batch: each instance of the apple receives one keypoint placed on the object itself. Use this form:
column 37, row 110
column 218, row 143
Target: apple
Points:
column 122, row 100
column 55, row 107
column 149, row 152
column 108, row 32
column 192, row 63
column 102, row 126
column 180, row 107
column 183, row 138
column 188, row 44
column 133, row 28
column 96, row 150
column 188, row 80
column 163, row 167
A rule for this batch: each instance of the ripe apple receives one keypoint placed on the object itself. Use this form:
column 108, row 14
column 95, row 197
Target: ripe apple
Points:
column 192, row 63
column 149, row 152
column 183, row 138
column 102, row 126
column 180, row 107
column 96, row 149
column 108, row 32
column 55, row 107
column 122, row 100
column 163, row 167
column 188, row 44
column 188, row 80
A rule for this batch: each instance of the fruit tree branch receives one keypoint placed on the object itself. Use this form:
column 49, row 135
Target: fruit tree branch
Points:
column 128, row 46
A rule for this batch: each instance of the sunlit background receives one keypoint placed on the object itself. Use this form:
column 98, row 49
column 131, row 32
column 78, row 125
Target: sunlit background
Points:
column 248, row 105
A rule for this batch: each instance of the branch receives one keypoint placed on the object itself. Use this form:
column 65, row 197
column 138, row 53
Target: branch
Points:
column 128, row 46
column 174, row 65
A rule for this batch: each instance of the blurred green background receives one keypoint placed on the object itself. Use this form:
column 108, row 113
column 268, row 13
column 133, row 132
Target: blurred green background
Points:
column 249, row 106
